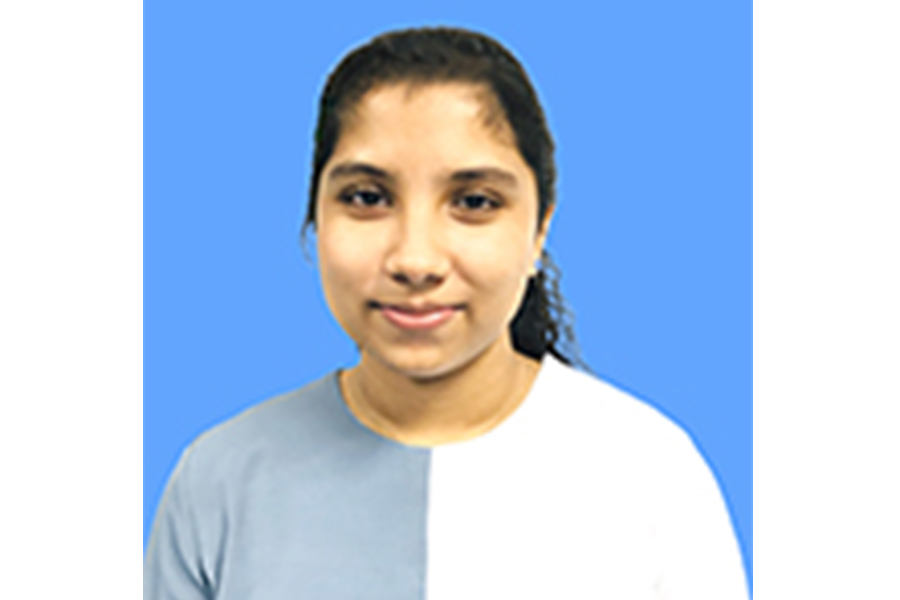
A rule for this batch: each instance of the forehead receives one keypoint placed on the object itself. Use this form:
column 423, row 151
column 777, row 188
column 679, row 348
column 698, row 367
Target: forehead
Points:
column 444, row 119
column 459, row 99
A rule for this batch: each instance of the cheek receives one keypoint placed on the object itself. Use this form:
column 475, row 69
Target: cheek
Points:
column 347, row 269
column 497, row 264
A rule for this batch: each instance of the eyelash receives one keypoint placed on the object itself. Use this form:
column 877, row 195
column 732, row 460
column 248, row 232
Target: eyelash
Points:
column 488, row 201
column 349, row 198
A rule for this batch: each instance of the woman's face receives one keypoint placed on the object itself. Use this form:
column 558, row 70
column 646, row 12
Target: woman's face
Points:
column 426, row 227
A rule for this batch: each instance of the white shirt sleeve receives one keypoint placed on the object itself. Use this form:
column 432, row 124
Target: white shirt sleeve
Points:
column 699, row 554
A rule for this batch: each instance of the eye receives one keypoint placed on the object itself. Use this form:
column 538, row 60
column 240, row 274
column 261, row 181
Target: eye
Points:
column 364, row 198
column 477, row 203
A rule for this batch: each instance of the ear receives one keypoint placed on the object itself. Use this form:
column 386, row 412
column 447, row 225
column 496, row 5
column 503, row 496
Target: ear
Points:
column 541, row 238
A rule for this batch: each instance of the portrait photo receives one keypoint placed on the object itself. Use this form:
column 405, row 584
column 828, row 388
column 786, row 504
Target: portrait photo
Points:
column 346, row 203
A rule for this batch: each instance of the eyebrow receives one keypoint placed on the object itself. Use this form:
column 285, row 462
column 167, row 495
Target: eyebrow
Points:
column 358, row 168
column 463, row 176
column 484, row 174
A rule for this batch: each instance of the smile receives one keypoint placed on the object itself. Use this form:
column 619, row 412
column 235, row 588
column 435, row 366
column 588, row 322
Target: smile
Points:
column 417, row 318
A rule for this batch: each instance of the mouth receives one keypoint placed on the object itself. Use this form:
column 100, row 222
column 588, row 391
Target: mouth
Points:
column 417, row 316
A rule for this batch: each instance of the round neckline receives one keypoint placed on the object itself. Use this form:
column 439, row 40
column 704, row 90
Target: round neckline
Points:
column 534, row 391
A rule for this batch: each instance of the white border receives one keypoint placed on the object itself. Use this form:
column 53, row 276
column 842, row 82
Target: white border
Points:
column 826, row 328
column 71, row 332
column 826, row 299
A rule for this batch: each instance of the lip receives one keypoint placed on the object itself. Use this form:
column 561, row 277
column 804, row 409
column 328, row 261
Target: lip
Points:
column 419, row 316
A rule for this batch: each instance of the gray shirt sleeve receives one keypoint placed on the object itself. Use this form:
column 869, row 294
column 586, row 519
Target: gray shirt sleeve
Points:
column 173, row 568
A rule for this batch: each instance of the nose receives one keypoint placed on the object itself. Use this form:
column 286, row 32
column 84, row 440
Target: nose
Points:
column 417, row 258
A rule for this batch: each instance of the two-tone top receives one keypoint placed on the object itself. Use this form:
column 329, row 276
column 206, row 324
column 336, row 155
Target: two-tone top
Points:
column 584, row 492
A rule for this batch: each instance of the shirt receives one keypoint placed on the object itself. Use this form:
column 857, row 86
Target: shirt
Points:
column 583, row 492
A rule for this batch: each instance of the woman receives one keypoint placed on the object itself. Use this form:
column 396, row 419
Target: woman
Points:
column 462, row 457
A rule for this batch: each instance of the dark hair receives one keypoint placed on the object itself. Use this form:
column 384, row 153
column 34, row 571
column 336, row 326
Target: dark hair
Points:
column 418, row 56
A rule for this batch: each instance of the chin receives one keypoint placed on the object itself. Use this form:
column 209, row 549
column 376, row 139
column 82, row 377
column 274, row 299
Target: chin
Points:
column 422, row 363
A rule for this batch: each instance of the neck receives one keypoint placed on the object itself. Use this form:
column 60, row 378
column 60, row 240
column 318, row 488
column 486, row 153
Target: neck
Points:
column 460, row 405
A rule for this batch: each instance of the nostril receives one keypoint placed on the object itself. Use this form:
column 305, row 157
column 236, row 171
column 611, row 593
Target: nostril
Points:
column 400, row 278
column 406, row 278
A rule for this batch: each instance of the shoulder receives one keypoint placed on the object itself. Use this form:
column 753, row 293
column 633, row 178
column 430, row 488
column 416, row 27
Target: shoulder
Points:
column 600, row 419
column 237, row 465
column 649, row 472
column 625, row 441
column 588, row 402
column 281, row 428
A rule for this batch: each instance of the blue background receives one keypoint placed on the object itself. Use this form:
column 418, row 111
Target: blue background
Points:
column 651, row 107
